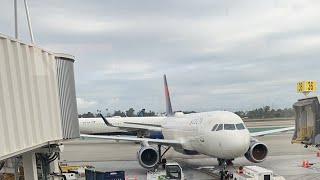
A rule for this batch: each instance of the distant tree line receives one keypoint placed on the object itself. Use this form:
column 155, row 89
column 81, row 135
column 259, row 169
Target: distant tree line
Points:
column 129, row 113
column 266, row 112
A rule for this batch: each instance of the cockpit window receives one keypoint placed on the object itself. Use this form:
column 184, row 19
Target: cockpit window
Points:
column 214, row 127
column 240, row 126
column 220, row 127
column 229, row 127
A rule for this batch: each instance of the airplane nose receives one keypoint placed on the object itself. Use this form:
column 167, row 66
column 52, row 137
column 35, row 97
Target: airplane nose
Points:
column 237, row 145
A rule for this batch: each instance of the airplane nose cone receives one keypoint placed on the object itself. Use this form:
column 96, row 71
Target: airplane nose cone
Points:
column 235, row 145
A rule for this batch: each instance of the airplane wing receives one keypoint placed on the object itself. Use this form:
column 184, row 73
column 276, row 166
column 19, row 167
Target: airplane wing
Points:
column 130, row 126
column 133, row 127
column 144, row 124
column 171, row 143
column 262, row 133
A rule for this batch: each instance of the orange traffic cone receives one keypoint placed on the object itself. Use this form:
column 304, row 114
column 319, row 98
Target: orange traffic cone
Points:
column 307, row 164
column 318, row 154
column 135, row 178
column 239, row 171
column 303, row 163
column 127, row 177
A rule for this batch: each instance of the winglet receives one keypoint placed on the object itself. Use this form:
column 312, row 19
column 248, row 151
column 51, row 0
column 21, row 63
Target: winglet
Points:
column 105, row 120
column 141, row 113
column 167, row 96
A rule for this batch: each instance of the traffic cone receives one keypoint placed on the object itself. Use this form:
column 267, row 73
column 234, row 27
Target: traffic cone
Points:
column 307, row 164
column 318, row 154
column 303, row 163
column 239, row 171
column 127, row 177
column 135, row 178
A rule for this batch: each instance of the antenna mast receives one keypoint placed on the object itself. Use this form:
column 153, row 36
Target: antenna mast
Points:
column 28, row 19
column 16, row 19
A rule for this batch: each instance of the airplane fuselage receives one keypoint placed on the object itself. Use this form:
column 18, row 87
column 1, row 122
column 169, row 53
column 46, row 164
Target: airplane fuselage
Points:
column 197, row 134
column 194, row 130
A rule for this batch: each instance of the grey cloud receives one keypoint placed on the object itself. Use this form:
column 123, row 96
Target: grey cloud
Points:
column 217, row 54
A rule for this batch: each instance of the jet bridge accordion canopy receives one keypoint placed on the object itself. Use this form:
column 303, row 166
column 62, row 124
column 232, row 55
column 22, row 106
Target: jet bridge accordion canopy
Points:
column 67, row 96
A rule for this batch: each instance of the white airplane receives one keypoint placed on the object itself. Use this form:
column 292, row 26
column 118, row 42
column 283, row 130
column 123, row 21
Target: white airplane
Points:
column 218, row 134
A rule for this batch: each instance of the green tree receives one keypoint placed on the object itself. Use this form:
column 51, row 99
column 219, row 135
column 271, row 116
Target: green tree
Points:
column 240, row 113
column 150, row 113
column 130, row 112
column 267, row 112
column 87, row 115
column 119, row 113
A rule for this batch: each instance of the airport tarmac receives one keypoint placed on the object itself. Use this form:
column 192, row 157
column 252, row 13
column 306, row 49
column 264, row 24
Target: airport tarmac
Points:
column 284, row 158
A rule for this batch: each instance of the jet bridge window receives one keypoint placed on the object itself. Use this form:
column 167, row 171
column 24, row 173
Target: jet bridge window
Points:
column 214, row 127
column 229, row 127
column 220, row 127
column 240, row 126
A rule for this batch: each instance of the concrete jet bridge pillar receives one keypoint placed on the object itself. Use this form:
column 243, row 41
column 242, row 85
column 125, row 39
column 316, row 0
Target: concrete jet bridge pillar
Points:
column 38, row 107
column 307, row 117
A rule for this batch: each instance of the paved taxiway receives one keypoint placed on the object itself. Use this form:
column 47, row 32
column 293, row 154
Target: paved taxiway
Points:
column 284, row 158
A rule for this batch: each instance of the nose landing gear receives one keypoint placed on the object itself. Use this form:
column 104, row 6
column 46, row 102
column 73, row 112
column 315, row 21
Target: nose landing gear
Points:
column 223, row 163
column 227, row 161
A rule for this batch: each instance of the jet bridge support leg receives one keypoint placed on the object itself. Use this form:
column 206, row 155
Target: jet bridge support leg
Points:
column 54, row 165
column 15, row 165
column 30, row 166
column 162, row 161
column 159, row 151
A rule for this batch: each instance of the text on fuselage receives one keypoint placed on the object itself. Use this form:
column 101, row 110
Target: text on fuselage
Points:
column 196, row 121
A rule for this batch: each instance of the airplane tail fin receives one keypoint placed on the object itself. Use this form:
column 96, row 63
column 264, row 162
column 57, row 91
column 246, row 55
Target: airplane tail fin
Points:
column 141, row 113
column 105, row 120
column 167, row 96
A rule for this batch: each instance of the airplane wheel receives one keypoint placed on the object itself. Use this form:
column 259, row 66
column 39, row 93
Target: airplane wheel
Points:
column 224, row 175
column 221, row 175
column 164, row 161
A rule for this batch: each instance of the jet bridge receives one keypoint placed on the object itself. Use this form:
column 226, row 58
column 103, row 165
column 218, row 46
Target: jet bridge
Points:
column 307, row 121
column 38, row 107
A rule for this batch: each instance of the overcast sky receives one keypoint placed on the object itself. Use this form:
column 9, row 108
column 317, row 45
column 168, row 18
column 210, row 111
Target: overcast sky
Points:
column 217, row 54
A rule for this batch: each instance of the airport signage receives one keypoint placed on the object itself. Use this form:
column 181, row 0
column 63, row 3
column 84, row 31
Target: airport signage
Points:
column 306, row 86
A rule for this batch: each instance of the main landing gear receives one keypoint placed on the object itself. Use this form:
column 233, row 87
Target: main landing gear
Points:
column 162, row 161
column 224, row 175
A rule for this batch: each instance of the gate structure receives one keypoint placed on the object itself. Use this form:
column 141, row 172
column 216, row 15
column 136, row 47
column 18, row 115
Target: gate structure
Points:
column 307, row 121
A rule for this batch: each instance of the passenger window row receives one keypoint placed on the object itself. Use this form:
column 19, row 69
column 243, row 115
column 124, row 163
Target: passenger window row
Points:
column 219, row 127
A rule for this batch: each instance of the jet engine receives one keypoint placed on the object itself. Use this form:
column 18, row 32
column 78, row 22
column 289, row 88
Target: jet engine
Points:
column 257, row 151
column 148, row 157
